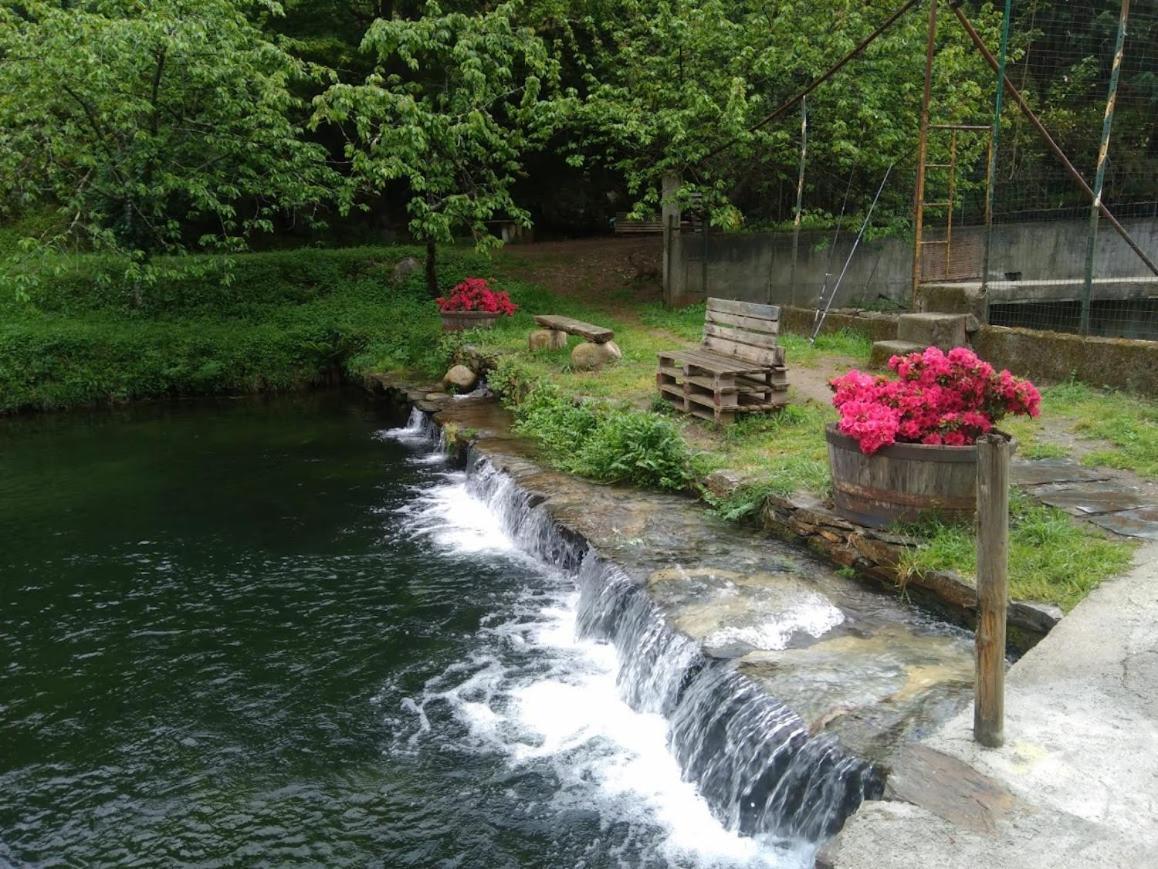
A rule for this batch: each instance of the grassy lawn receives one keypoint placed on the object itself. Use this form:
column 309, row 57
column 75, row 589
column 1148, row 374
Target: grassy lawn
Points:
column 1052, row 558
column 1103, row 429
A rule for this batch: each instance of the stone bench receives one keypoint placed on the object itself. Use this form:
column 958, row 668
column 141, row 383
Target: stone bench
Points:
column 597, row 350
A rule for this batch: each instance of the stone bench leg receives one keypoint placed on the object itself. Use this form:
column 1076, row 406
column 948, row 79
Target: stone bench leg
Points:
column 547, row 339
column 589, row 356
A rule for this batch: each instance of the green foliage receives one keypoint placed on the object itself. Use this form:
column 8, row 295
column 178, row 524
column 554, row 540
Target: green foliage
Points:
column 592, row 439
column 1125, row 428
column 239, row 324
column 635, row 447
column 682, row 88
column 152, row 127
column 784, row 450
column 454, row 103
column 845, row 342
column 1051, row 557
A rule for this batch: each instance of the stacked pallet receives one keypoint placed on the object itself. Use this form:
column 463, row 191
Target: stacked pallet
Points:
column 737, row 369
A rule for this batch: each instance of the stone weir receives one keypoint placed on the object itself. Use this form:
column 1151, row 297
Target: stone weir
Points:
column 788, row 688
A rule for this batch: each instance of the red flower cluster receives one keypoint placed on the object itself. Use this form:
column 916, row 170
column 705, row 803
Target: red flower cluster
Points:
column 475, row 294
column 941, row 398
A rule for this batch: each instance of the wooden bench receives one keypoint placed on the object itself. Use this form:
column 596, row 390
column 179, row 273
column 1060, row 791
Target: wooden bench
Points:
column 587, row 331
column 738, row 367
column 596, row 350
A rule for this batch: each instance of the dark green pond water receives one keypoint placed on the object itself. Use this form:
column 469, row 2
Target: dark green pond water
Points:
column 270, row 632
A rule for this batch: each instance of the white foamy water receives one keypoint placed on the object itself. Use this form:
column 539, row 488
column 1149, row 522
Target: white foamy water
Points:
column 448, row 514
column 537, row 694
column 813, row 615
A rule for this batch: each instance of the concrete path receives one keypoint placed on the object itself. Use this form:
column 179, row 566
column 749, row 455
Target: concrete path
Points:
column 1080, row 759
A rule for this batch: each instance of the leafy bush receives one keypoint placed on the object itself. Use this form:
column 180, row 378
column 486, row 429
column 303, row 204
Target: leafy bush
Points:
column 610, row 444
column 243, row 324
column 635, row 447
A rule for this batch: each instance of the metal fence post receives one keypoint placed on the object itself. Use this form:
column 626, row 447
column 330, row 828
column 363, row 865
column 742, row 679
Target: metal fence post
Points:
column 1100, row 177
column 992, row 588
column 994, row 143
column 799, row 200
column 922, row 154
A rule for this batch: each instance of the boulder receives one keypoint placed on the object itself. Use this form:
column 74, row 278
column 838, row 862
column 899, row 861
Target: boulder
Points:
column 477, row 359
column 404, row 269
column 592, row 357
column 461, row 378
column 546, row 339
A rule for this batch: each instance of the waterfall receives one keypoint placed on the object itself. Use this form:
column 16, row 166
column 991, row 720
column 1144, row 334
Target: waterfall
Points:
column 751, row 757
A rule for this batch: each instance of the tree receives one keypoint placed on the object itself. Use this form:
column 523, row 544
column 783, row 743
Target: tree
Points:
column 455, row 103
column 680, row 86
column 153, row 127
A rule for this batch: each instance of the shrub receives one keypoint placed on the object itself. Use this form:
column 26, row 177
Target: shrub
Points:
column 475, row 294
column 609, row 444
column 938, row 398
column 636, row 447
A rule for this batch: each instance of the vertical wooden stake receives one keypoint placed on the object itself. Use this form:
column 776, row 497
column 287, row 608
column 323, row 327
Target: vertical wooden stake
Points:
column 992, row 588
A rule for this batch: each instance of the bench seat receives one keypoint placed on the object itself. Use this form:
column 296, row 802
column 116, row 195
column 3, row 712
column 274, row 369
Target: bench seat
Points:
column 587, row 331
column 738, row 368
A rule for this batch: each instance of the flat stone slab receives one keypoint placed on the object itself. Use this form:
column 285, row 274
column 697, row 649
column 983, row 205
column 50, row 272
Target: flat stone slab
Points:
column 1040, row 472
column 949, row 788
column 1089, row 499
column 589, row 331
column 1141, row 522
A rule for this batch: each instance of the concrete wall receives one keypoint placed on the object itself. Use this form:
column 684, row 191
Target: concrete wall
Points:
column 1052, row 357
column 758, row 266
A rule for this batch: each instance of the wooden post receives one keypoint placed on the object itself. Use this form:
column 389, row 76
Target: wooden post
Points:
column 992, row 587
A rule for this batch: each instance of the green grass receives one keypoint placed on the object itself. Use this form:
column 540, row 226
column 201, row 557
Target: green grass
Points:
column 783, row 453
column 845, row 342
column 248, row 323
column 1127, row 424
column 282, row 320
column 1052, row 558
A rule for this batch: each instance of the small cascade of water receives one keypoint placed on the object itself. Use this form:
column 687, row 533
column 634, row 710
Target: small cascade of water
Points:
column 750, row 757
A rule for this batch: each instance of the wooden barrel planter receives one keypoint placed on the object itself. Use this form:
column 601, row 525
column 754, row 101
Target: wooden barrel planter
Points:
column 460, row 321
column 901, row 482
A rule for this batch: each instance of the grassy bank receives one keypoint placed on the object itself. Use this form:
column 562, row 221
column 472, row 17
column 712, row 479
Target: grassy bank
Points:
column 273, row 321
column 1053, row 558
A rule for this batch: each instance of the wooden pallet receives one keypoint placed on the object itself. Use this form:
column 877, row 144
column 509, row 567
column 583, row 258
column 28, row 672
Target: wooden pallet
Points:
column 737, row 369
column 708, row 393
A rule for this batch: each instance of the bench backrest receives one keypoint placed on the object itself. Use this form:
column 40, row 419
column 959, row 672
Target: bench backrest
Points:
column 746, row 330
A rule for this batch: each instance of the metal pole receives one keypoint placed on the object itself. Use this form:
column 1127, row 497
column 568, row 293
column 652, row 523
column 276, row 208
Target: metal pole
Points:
column 1100, row 177
column 799, row 196
column 1053, row 146
column 817, row 323
column 922, row 150
column 992, row 588
column 994, row 141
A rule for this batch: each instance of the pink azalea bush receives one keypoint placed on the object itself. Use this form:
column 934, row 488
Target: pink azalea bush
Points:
column 475, row 294
column 939, row 398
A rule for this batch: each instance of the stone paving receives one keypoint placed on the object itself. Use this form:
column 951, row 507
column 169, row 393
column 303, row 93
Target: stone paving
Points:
column 1116, row 501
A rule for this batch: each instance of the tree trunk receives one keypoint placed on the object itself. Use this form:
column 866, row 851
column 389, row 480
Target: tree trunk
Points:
column 431, row 274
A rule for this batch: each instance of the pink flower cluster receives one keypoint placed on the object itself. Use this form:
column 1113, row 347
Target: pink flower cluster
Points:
column 475, row 294
column 940, row 398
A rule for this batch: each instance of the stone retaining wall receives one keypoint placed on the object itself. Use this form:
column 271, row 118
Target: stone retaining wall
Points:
column 875, row 555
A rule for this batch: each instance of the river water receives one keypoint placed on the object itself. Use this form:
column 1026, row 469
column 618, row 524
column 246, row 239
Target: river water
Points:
column 286, row 632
